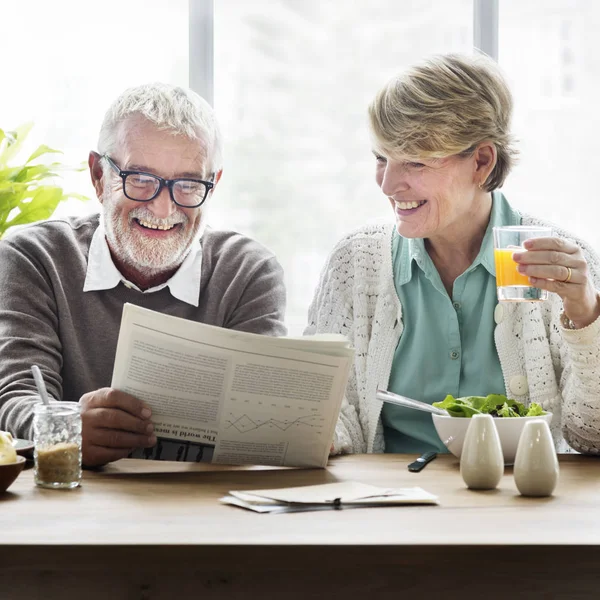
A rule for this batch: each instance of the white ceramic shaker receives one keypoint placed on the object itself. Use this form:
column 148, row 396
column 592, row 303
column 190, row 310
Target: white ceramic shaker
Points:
column 481, row 460
column 536, row 465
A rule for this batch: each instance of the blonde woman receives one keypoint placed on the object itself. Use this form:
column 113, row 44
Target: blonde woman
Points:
column 418, row 298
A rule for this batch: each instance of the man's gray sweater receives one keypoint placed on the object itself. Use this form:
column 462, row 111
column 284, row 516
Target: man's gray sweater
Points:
column 47, row 319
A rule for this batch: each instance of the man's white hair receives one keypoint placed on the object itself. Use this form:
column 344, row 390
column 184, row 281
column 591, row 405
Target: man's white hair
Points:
column 169, row 107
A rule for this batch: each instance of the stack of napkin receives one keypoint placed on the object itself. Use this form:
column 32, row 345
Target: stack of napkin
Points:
column 346, row 494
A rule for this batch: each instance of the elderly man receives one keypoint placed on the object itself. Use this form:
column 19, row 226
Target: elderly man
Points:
column 63, row 283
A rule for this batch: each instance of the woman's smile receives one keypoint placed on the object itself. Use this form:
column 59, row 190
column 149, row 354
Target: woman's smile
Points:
column 408, row 208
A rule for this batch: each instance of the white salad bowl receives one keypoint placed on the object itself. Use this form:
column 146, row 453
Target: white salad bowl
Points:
column 452, row 432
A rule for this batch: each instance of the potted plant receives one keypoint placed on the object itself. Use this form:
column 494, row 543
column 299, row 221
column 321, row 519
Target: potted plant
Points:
column 28, row 191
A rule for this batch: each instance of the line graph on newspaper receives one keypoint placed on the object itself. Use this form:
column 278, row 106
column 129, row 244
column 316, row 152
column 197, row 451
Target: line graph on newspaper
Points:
column 244, row 424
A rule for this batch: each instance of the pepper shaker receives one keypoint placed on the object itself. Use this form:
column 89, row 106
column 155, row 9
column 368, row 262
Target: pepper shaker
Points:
column 536, row 465
column 481, row 460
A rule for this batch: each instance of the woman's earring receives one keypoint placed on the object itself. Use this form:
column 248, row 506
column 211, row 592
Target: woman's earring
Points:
column 480, row 185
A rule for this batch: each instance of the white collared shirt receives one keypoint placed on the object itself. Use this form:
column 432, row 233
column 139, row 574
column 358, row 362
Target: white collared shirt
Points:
column 102, row 274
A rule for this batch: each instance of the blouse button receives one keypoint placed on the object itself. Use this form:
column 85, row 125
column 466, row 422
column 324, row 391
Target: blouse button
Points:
column 498, row 313
column 518, row 385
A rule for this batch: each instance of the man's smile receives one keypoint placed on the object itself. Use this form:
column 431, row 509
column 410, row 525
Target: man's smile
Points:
column 156, row 226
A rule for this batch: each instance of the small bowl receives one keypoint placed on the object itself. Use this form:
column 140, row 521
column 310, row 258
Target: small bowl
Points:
column 23, row 447
column 9, row 472
column 452, row 432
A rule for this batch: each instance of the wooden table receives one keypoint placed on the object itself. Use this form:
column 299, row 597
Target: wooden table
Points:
column 149, row 530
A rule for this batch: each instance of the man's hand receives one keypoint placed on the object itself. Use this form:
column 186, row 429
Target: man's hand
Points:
column 114, row 423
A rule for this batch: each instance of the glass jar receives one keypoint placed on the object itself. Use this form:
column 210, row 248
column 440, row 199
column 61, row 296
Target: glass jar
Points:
column 57, row 439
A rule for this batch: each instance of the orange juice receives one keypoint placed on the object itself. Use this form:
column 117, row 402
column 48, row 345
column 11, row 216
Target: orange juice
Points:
column 506, row 269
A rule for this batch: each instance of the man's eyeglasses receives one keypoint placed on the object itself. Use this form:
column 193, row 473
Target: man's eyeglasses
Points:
column 143, row 187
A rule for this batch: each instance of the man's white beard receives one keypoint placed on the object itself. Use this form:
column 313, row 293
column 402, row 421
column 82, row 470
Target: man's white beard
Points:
column 149, row 256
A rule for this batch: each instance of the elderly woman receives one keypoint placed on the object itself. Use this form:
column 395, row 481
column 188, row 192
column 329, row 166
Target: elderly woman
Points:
column 418, row 300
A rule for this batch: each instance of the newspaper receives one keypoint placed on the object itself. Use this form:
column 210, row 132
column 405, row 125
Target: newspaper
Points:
column 226, row 396
column 342, row 494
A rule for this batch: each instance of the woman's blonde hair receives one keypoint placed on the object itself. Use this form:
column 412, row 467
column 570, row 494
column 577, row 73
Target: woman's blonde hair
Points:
column 445, row 106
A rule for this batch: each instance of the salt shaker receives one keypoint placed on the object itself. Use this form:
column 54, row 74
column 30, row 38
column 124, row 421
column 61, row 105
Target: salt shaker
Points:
column 481, row 460
column 536, row 465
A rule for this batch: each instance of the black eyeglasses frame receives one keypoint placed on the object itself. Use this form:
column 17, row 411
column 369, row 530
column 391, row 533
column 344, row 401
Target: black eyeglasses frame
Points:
column 168, row 183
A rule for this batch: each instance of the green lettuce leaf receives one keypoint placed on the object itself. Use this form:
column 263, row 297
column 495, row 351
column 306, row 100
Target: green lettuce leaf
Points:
column 477, row 402
column 459, row 407
column 535, row 410
column 449, row 400
column 496, row 405
column 462, row 410
column 507, row 411
column 497, row 402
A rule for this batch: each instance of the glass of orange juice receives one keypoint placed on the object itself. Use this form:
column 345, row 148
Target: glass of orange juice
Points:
column 511, row 285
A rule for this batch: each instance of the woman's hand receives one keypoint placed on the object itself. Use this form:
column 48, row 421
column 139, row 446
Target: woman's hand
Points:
column 559, row 266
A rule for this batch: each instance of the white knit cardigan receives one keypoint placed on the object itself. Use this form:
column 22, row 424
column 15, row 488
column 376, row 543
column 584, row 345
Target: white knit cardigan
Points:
column 541, row 361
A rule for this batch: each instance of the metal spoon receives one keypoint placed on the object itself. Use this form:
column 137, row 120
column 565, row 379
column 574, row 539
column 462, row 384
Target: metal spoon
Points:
column 40, row 385
column 392, row 398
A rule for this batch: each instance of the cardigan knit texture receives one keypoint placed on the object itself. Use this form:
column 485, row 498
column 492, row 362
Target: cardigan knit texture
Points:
column 541, row 361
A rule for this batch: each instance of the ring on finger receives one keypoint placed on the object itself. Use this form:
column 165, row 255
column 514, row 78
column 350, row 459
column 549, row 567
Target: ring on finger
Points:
column 569, row 273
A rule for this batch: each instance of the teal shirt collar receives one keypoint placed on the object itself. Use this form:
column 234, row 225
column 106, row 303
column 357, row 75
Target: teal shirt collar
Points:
column 412, row 250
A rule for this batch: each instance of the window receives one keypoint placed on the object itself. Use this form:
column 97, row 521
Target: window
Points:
column 292, row 85
column 65, row 62
column 292, row 80
column 555, row 82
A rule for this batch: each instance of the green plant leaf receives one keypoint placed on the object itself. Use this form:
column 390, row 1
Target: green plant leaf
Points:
column 28, row 192
column 77, row 196
column 12, row 198
column 40, row 151
column 40, row 207
column 36, row 172
column 14, row 142
column 10, row 174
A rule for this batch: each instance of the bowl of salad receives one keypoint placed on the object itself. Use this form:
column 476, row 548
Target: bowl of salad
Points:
column 509, row 415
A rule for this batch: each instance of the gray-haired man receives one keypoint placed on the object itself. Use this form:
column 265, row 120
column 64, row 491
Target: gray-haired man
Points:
column 63, row 283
